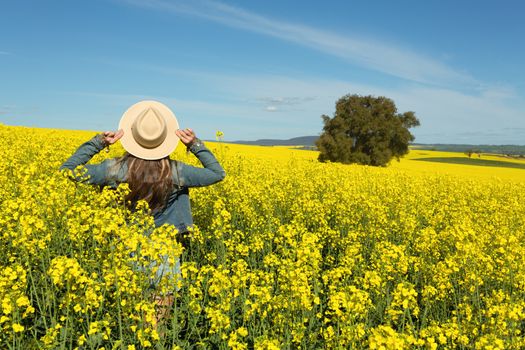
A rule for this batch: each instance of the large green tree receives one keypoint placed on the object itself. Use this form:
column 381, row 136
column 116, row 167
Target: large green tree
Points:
column 365, row 130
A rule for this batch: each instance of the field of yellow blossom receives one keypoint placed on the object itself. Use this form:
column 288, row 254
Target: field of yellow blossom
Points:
column 287, row 253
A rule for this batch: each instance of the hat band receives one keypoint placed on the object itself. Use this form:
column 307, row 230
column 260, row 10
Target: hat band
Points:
column 149, row 128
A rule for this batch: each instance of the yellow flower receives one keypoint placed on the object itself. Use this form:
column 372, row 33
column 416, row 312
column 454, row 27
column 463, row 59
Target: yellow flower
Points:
column 17, row 328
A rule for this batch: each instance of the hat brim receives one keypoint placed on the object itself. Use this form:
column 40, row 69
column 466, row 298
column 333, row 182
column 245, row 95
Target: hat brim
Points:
column 129, row 143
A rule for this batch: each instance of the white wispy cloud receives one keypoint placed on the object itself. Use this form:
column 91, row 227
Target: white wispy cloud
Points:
column 5, row 53
column 280, row 103
column 126, row 99
column 365, row 52
column 285, row 100
column 5, row 109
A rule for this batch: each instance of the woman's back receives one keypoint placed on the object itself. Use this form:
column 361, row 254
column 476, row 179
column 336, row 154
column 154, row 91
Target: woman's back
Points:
column 175, row 208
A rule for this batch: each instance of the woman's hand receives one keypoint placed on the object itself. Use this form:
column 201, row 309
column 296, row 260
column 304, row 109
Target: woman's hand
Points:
column 187, row 136
column 110, row 137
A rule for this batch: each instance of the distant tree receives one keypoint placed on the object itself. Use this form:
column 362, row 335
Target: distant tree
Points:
column 365, row 130
column 469, row 152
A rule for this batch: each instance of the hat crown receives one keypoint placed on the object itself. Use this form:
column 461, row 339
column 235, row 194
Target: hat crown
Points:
column 149, row 128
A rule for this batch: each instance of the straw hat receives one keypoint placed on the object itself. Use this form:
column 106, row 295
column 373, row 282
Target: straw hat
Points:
column 149, row 130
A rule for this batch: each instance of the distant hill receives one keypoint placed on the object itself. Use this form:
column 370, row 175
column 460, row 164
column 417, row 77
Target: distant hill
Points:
column 309, row 143
column 296, row 141
column 513, row 150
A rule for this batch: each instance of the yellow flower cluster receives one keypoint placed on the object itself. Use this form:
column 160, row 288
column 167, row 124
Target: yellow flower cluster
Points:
column 15, row 305
column 286, row 253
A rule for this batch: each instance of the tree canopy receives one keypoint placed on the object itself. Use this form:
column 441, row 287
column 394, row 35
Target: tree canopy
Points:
column 365, row 130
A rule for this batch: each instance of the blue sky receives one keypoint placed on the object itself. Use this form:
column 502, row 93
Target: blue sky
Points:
column 266, row 69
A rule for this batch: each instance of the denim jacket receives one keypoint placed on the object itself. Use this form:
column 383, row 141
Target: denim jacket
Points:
column 177, row 210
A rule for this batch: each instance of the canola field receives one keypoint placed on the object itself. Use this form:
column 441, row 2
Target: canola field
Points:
column 287, row 253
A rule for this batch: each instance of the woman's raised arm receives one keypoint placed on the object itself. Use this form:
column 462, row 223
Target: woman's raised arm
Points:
column 191, row 176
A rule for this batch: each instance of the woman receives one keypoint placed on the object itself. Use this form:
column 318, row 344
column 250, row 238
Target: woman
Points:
column 149, row 133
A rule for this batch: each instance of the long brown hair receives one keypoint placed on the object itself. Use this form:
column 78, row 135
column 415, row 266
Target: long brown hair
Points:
column 149, row 180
